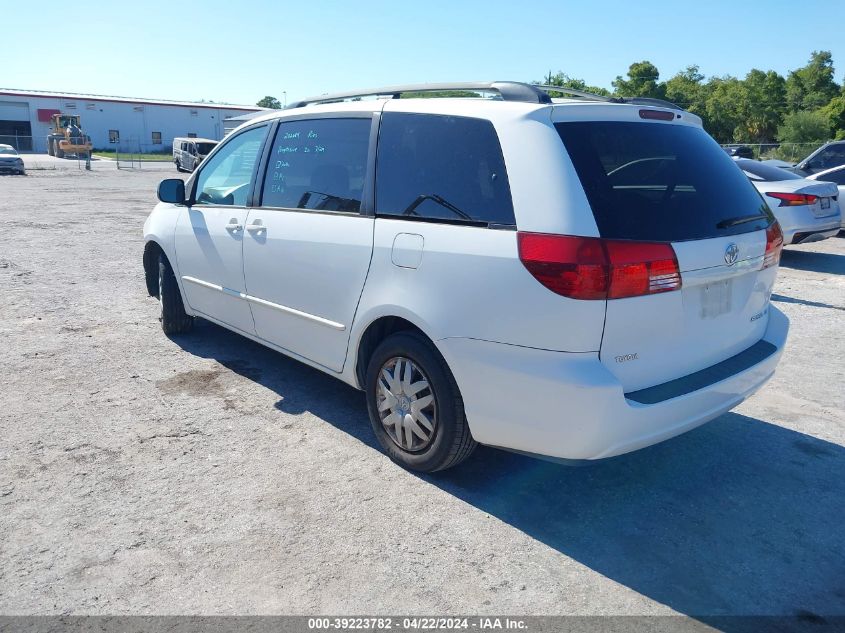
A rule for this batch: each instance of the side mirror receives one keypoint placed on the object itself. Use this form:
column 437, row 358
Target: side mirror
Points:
column 172, row 190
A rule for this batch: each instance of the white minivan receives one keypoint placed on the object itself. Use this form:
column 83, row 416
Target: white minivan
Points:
column 189, row 152
column 572, row 278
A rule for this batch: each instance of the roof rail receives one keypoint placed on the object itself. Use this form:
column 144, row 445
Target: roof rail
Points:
column 572, row 92
column 508, row 91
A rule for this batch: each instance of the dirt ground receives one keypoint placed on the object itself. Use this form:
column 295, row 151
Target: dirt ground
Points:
column 208, row 475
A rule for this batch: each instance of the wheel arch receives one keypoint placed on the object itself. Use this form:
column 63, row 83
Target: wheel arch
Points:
column 152, row 251
column 374, row 333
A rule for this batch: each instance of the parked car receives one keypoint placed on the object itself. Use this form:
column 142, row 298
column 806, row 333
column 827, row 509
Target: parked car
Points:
column 188, row 153
column 10, row 161
column 807, row 210
column 575, row 280
column 827, row 156
column 741, row 151
column 837, row 177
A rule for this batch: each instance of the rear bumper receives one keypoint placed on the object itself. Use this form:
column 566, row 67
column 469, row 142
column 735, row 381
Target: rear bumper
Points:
column 801, row 223
column 569, row 406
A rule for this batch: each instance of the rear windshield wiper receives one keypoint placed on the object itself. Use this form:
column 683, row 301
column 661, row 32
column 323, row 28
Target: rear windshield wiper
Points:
column 724, row 224
column 412, row 208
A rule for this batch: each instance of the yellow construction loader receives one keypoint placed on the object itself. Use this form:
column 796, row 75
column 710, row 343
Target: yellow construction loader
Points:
column 67, row 137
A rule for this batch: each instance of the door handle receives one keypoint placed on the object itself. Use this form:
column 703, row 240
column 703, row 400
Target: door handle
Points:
column 255, row 227
column 234, row 226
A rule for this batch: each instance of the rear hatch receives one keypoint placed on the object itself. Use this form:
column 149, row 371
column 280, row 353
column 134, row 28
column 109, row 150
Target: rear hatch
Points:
column 668, row 182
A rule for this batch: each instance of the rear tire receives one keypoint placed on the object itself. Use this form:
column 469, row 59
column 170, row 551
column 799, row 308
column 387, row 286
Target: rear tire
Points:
column 179, row 167
column 174, row 319
column 448, row 442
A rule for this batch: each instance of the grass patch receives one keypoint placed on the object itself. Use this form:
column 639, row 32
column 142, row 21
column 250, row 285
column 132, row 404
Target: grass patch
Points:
column 157, row 156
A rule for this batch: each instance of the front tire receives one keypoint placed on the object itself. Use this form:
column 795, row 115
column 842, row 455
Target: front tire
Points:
column 174, row 319
column 415, row 407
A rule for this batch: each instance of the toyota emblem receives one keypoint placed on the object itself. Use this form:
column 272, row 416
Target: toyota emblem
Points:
column 731, row 254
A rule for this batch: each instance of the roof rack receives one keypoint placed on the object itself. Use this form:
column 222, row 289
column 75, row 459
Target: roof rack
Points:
column 508, row 91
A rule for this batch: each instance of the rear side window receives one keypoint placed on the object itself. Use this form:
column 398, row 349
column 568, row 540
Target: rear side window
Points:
column 661, row 182
column 318, row 164
column 441, row 168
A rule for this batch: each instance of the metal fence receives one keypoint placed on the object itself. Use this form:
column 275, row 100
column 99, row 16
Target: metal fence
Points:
column 790, row 152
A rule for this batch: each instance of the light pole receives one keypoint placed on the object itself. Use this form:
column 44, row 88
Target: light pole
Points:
column 285, row 96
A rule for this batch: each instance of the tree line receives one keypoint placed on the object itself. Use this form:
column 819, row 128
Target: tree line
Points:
column 806, row 106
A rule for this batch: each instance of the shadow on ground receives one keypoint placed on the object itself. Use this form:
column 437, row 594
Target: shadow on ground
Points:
column 814, row 262
column 739, row 517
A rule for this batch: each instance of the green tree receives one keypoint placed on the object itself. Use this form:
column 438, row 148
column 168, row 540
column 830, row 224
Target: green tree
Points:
column 724, row 109
column 835, row 113
column 270, row 102
column 688, row 90
column 642, row 81
column 763, row 106
column 813, row 85
column 804, row 127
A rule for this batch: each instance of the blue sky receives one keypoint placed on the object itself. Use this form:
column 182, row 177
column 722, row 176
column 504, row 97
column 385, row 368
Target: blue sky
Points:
column 240, row 51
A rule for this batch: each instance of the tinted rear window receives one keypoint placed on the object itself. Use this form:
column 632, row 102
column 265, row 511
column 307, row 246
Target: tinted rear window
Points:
column 765, row 173
column 441, row 168
column 653, row 181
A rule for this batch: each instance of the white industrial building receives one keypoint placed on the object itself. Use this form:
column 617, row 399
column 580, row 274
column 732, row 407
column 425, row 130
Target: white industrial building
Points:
column 146, row 125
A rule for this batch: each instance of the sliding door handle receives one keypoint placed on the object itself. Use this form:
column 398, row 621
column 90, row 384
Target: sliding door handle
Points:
column 256, row 227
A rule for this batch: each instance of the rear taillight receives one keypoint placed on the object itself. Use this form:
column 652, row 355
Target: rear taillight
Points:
column 595, row 268
column 774, row 245
column 793, row 199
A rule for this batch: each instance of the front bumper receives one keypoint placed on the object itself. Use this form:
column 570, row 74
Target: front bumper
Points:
column 569, row 406
column 11, row 168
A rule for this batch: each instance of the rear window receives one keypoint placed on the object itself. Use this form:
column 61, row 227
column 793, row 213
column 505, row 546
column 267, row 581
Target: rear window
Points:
column 765, row 173
column 441, row 168
column 660, row 182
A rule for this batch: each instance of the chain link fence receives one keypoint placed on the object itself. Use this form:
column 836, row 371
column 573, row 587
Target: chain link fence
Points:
column 789, row 152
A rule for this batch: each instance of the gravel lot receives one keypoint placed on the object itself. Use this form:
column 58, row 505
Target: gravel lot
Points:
column 208, row 475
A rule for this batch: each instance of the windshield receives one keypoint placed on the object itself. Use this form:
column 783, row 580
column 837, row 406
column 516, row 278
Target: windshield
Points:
column 659, row 182
column 205, row 148
column 766, row 173
column 8, row 150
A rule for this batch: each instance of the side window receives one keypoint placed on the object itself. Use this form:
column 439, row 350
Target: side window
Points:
column 833, row 156
column 226, row 176
column 838, row 177
column 318, row 164
column 441, row 167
